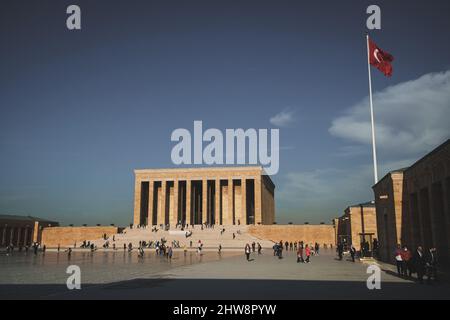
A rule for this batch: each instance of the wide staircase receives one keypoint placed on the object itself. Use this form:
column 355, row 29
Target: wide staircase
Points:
column 210, row 237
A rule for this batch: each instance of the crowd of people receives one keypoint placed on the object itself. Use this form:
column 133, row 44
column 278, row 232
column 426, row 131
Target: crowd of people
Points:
column 303, row 251
column 249, row 249
column 420, row 262
column 35, row 246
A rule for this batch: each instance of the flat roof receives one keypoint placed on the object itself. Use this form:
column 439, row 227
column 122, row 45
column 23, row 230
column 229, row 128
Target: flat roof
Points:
column 198, row 169
column 191, row 171
column 435, row 150
column 23, row 218
column 401, row 170
column 367, row 204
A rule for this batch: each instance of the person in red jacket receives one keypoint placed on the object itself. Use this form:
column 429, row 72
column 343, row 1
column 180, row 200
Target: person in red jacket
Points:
column 307, row 253
column 407, row 259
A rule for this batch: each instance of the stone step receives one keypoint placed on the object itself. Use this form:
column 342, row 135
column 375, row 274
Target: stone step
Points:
column 211, row 238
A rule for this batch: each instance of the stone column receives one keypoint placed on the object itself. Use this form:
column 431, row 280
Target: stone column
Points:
column 4, row 236
column 188, row 201
column 11, row 236
column 25, row 237
column 229, row 215
column 174, row 213
column 19, row 233
column 36, row 236
column 151, row 184
column 258, row 204
column 137, row 202
column 217, row 203
column 204, row 201
column 243, row 217
column 162, row 218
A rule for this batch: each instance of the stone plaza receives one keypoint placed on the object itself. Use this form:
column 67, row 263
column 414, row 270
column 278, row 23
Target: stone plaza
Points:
column 122, row 275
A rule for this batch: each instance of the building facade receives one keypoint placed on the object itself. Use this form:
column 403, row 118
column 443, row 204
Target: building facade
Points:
column 357, row 225
column 415, row 211
column 213, row 195
column 22, row 230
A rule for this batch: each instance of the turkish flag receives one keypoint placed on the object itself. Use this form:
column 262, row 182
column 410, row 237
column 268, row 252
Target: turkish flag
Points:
column 380, row 59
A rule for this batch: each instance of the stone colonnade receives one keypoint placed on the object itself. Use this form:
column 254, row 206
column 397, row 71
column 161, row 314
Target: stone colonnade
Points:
column 225, row 196
column 17, row 235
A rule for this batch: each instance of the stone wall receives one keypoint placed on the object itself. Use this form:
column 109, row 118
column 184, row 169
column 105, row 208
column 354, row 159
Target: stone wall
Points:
column 357, row 218
column 67, row 236
column 322, row 234
column 388, row 202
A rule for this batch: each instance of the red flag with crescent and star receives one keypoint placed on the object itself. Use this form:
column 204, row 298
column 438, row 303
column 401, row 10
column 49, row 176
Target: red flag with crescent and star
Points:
column 380, row 59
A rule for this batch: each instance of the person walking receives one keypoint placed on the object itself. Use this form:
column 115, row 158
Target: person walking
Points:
column 407, row 262
column 340, row 250
column 419, row 263
column 307, row 253
column 398, row 255
column 431, row 265
column 300, row 254
column 259, row 248
column 247, row 251
column 353, row 252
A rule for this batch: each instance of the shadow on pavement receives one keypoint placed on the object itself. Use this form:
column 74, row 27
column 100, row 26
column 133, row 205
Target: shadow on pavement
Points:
column 209, row 289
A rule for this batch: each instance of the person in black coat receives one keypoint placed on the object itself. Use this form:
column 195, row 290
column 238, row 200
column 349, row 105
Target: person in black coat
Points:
column 340, row 250
column 419, row 263
column 352, row 252
column 431, row 265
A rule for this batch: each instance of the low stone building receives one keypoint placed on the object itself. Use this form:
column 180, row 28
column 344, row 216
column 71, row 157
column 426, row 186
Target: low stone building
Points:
column 413, row 205
column 357, row 225
column 22, row 230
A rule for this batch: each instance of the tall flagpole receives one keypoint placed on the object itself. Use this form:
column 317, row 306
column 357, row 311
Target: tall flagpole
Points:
column 375, row 170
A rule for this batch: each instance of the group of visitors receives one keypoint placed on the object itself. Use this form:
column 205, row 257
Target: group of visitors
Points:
column 304, row 250
column 35, row 246
column 341, row 247
column 423, row 263
column 294, row 246
column 249, row 249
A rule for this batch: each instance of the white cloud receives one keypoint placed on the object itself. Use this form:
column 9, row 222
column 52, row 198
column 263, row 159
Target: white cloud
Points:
column 318, row 195
column 283, row 119
column 410, row 117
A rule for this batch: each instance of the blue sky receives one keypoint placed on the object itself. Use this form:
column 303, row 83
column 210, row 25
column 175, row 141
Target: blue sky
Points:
column 81, row 109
